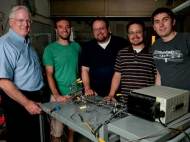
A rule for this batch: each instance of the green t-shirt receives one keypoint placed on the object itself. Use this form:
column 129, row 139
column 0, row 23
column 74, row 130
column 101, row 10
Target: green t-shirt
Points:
column 64, row 60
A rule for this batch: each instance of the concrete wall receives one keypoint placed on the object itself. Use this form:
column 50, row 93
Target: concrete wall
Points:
column 42, row 31
column 187, row 24
column 83, row 33
column 129, row 8
column 5, row 7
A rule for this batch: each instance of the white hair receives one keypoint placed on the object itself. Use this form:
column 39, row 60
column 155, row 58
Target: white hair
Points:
column 17, row 8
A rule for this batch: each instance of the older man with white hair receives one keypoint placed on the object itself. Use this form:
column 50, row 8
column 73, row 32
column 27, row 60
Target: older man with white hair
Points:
column 20, row 79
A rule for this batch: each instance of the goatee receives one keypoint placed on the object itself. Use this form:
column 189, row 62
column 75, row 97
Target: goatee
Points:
column 64, row 38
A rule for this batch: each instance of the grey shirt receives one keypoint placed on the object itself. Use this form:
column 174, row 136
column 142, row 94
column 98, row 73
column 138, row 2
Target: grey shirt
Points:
column 172, row 60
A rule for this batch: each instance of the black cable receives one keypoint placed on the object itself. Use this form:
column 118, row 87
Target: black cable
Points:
column 108, row 121
column 182, row 131
column 84, row 122
column 162, row 122
column 174, row 129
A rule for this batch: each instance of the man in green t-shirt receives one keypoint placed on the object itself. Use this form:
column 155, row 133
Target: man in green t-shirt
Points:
column 61, row 64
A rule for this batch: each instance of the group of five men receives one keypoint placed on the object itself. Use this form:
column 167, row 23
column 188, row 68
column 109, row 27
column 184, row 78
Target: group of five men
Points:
column 108, row 65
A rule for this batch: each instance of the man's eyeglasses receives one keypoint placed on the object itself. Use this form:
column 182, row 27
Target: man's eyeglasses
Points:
column 23, row 21
column 99, row 29
column 132, row 33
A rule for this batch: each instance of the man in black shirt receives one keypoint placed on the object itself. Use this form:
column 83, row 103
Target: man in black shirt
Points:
column 98, row 58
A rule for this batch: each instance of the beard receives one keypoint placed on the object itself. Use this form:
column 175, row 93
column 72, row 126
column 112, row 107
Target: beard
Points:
column 137, row 43
column 64, row 37
column 102, row 38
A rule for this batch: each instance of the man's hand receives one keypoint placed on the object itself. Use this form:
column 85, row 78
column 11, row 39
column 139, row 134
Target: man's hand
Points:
column 89, row 92
column 110, row 98
column 33, row 107
column 62, row 98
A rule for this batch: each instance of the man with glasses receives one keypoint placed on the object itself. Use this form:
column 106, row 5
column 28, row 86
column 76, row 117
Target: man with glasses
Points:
column 98, row 58
column 20, row 79
column 134, row 66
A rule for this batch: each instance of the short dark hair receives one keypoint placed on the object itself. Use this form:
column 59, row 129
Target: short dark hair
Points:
column 141, row 23
column 104, row 19
column 59, row 19
column 163, row 10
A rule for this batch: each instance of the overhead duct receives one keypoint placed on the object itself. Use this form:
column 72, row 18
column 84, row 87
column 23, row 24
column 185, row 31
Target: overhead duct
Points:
column 181, row 6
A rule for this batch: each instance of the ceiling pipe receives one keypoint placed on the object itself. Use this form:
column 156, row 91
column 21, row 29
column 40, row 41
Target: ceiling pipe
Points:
column 181, row 6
